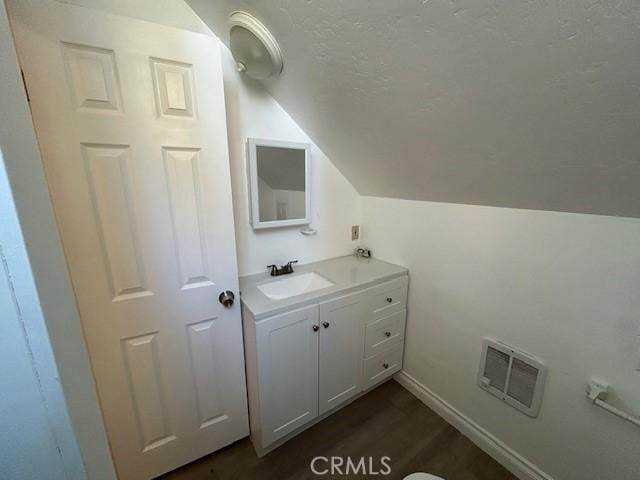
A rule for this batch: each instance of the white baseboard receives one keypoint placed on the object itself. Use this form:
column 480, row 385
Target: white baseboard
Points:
column 508, row 458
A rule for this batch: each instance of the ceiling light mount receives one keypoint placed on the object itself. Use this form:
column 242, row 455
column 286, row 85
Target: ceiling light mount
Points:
column 254, row 48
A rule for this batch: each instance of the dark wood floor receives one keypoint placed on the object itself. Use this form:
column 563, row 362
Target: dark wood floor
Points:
column 388, row 421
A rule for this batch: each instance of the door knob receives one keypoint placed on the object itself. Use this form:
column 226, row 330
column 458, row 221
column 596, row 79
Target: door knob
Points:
column 226, row 298
column 325, row 324
column 315, row 328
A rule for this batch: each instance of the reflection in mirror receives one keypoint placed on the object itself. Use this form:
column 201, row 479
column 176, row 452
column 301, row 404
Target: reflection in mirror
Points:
column 281, row 183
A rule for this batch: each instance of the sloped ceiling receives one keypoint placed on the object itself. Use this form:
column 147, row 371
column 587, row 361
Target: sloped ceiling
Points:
column 515, row 103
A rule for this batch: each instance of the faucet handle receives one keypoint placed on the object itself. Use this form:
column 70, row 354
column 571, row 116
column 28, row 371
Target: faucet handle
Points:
column 273, row 269
column 289, row 266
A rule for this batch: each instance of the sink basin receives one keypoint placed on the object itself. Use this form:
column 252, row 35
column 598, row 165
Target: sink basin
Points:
column 294, row 285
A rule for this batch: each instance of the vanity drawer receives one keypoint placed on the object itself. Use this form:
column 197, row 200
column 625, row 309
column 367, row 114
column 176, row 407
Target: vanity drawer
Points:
column 386, row 298
column 384, row 332
column 382, row 365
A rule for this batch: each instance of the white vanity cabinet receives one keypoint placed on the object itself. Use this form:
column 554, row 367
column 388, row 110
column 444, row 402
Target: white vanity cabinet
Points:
column 304, row 363
column 384, row 332
column 287, row 359
column 341, row 352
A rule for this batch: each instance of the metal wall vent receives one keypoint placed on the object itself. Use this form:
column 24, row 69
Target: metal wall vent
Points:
column 513, row 376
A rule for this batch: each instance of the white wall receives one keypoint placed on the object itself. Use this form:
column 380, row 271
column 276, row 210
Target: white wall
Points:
column 293, row 202
column 269, row 199
column 252, row 112
column 31, row 429
column 266, row 200
column 561, row 286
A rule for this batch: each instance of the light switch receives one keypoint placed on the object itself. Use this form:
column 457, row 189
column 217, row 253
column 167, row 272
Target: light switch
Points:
column 355, row 232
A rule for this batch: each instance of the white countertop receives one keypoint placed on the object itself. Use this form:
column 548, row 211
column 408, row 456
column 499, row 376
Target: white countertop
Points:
column 347, row 274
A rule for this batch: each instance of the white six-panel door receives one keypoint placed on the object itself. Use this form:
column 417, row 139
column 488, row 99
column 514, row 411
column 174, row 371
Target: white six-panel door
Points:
column 131, row 122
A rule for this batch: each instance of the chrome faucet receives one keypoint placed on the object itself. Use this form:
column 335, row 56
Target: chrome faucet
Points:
column 283, row 270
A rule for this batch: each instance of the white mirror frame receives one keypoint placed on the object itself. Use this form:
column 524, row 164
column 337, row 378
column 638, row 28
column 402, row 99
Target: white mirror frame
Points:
column 252, row 172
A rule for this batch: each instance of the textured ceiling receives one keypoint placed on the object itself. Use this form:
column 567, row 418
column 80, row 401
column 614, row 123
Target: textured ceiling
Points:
column 516, row 103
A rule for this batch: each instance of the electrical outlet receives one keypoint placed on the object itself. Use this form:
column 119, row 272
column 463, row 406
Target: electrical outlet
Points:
column 355, row 232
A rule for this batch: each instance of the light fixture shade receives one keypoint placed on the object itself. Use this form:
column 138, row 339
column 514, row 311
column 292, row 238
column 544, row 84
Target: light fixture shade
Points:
column 254, row 49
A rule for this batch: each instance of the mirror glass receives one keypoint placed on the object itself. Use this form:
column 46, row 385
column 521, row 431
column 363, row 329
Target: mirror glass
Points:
column 281, row 183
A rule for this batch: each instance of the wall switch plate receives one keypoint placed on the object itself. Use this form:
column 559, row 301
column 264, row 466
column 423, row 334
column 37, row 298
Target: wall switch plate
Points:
column 355, row 232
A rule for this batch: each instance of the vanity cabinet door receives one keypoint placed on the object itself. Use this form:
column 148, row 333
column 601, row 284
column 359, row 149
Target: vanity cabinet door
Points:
column 287, row 348
column 342, row 324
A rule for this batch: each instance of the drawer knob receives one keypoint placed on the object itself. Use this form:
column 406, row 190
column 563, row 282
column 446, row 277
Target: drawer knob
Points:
column 325, row 324
column 388, row 334
column 385, row 365
column 389, row 299
column 315, row 328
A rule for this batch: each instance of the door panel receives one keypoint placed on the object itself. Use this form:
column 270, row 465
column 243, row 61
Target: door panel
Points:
column 182, row 168
column 149, row 400
column 112, row 188
column 131, row 123
column 203, row 368
column 341, row 349
column 92, row 78
column 173, row 83
column 287, row 348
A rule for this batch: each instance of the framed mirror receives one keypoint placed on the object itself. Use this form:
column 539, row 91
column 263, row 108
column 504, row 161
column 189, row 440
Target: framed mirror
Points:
column 279, row 180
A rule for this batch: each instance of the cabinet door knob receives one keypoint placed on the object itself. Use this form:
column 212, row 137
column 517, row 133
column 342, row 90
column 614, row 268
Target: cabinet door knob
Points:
column 325, row 324
column 385, row 365
column 389, row 299
column 388, row 334
column 315, row 328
